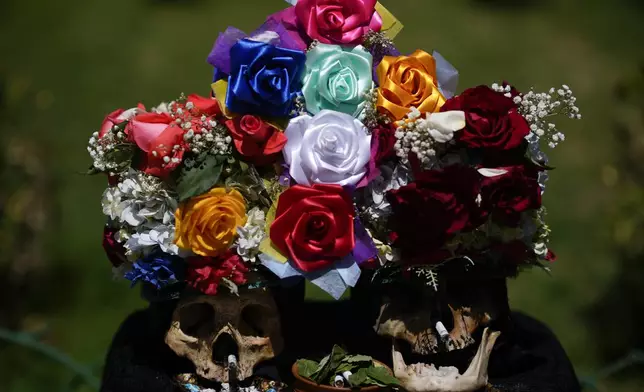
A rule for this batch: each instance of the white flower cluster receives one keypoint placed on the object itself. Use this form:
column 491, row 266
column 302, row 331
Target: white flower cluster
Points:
column 211, row 137
column 538, row 107
column 422, row 135
column 101, row 150
column 202, row 133
column 143, row 208
column 251, row 235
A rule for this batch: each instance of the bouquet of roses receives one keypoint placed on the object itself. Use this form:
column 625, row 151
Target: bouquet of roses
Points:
column 322, row 151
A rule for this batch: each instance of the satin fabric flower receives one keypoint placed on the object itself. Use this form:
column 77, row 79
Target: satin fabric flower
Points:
column 161, row 138
column 314, row 225
column 264, row 79
column 492, row 120
column 329, row 148
column 117, row 117
column 337, row 79
column 207, row 224
column 407, row 81
column 341, row 22
column 255, row 139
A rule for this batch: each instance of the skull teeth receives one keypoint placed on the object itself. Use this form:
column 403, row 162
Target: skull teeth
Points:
column 422, row 377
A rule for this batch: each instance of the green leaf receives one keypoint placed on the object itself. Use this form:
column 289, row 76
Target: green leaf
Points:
column 306, row 367
column 331, row 364
column 316, row 375
column 358, row 378
column 357, row 358
column 382, row 376
column 200, row 177
column 93, row 171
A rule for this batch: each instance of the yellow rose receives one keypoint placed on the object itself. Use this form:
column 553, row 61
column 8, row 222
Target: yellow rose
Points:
column 207, row 224
column 407, row 81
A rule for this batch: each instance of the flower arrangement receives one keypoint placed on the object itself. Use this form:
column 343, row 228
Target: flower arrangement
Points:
column 323, row 151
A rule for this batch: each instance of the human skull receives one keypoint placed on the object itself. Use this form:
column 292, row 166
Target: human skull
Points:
column 207, row 329
column 442, row 321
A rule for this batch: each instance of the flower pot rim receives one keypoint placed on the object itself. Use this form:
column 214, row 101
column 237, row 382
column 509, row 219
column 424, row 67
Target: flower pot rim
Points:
column 334, row 389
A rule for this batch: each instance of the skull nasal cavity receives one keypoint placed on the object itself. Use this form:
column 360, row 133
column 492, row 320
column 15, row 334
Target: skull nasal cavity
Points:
column 224, row 346
column 196, row 318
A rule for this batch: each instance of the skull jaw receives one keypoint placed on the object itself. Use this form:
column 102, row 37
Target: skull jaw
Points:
column 422, row 377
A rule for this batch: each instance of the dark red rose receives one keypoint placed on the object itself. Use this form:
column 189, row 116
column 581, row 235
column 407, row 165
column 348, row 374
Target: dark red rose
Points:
column 314, row 225
column 255, row 139
column 507, row 195
column 205, row 273
column 438, row 204
column 492, row 119
column 551, row 256
column 383, row 140
column 114, row 250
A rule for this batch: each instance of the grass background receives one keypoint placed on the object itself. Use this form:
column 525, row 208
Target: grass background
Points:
column 65, row 64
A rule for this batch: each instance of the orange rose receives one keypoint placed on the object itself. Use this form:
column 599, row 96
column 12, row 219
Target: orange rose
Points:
column 407, row 81
column 207, row 224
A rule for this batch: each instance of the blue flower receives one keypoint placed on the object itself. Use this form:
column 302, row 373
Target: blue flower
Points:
column 158, row 269
column 264, row 79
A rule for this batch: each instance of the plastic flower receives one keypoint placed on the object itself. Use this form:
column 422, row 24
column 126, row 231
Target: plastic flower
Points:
column 207, row 224
column 330, row 148
column 337, row 78
column 150, row 238
column 158, row 269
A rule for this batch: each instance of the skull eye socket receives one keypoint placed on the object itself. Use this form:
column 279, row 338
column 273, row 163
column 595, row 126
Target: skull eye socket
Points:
column 194, row 317
column 254, row 318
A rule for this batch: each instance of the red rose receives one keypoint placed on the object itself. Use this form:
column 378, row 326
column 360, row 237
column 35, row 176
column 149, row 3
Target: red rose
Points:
column 515, row 252
column 438, row 204
column 314, row 226
column 492, row 120
column 508, row 195
column 256, row 140
column 157, row 134
column 205, row 273
column 117, row 117
column 383, row 140
column 204, row 105
column 114, row 250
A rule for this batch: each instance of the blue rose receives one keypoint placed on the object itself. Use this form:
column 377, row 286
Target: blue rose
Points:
column 158, row 269
column 264, row 79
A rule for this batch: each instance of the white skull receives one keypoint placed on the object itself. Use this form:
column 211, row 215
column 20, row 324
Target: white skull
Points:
column 207, row 329
column 432, row 322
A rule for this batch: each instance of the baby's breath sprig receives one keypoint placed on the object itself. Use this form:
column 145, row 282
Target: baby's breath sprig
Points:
column 378, row 43
column 538, row 107
column 371, row 117
column 112, row 153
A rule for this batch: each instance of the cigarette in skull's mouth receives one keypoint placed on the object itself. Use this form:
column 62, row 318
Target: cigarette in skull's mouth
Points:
column 231, row 365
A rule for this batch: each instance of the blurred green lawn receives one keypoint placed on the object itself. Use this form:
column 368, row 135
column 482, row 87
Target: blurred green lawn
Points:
column 67, row 63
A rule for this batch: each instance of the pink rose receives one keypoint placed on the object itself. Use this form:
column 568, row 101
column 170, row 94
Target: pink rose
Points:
column 118, row 116
column 157, row 134
column 339, row 22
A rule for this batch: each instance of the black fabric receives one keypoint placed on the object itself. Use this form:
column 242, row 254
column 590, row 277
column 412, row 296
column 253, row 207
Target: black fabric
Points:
column 527, row 359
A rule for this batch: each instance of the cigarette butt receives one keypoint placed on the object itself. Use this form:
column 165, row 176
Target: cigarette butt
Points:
column 338, row 382
column 442, row 331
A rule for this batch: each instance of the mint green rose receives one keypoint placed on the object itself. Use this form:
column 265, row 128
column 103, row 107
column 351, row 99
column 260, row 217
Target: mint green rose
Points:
column 337, row 79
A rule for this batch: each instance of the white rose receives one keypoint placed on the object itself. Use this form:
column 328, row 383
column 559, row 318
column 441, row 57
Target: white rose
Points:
column 329, row 148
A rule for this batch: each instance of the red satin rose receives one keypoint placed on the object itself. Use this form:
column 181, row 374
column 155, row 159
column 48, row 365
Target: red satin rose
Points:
column 383, row 140
column 339, row 22
column 157, row 134
column 208, row 106
column 426, row 212
column 256, row 140
column 508, row 195
column 115, row 251
column 314, row 225
column 492, row 120
column 205, row 273
column 117, row 117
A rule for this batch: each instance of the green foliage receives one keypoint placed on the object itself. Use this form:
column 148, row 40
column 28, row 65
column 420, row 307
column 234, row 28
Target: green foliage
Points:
column 364, row 371
column 200, row 176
